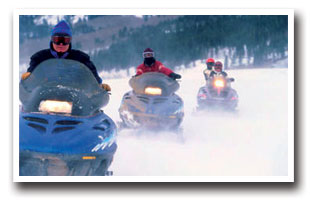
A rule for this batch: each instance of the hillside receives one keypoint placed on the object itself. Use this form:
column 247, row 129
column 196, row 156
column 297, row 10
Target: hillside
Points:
column 106, row 27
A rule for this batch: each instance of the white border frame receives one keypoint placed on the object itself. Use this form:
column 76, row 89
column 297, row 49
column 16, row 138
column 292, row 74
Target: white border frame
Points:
column 289, row 12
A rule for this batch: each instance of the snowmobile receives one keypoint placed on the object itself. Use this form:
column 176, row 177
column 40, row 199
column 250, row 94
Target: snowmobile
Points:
column 217, row 94
column 152, row 104
column 63, row 131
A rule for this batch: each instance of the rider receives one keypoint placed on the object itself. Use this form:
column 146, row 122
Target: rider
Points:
column 60, row 48
column 151, row 65
column 210, row 64
column 218, row 70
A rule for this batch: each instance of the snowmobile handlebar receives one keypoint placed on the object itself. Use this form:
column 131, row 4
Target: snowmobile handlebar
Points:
column 231, row 79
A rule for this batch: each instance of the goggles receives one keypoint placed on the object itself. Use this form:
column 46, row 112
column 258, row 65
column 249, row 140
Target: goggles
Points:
column 148, row 54
column 65, row 40
column 210, row 63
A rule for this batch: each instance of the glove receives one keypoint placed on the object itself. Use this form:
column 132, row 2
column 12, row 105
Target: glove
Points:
column 105, row 87
column 174, row 76
column 25, row 75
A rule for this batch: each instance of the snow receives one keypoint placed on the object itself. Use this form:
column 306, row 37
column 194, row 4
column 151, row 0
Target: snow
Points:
column 251, row 142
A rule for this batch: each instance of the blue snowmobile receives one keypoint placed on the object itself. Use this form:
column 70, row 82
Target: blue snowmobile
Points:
column 152, row 104
column 62, row 130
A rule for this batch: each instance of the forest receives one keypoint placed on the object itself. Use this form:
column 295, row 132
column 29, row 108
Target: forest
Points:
column 179, row 41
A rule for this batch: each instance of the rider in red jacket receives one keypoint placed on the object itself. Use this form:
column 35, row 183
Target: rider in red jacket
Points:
column 151, row 65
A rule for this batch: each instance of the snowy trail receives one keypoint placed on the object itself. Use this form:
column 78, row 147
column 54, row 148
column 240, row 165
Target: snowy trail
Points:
column 252, row 142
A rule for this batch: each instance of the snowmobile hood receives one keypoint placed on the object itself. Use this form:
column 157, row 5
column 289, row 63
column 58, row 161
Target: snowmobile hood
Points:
column 63, row 80
column 154, row 79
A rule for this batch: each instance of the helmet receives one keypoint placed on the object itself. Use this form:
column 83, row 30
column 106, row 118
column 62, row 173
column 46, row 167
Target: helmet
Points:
column 218, row 67
column 148, row 52
column 210, row 60
column 210, row 63
column 148, row 55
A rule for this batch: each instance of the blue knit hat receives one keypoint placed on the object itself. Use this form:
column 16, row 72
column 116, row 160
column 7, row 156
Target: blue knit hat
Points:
column 62, row 27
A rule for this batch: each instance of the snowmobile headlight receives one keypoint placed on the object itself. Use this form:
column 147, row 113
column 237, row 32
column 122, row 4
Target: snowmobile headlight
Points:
column 55, row 106
column 152, row 91
column 89, row 157
column 219, row 83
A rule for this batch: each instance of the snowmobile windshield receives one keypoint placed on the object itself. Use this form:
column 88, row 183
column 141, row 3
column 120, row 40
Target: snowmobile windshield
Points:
column 63, row 81
column 153, row 82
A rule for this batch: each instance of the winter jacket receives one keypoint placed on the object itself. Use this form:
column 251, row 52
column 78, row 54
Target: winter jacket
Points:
column 72, row 54
column 213, row 73
column 156, row 67
column 206, row 73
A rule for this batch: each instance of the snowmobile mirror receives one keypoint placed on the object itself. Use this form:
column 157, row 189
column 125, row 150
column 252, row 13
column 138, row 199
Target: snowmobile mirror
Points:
column 231, row 79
